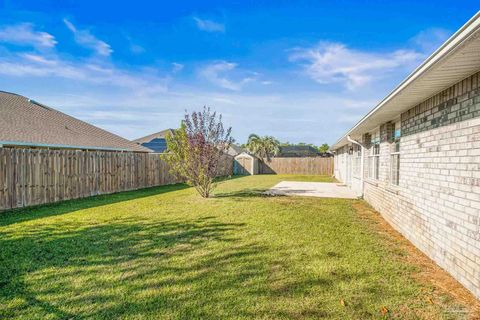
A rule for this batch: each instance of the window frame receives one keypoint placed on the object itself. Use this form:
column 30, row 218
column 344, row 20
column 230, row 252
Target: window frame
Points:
column 395, row 157
column 374, row 162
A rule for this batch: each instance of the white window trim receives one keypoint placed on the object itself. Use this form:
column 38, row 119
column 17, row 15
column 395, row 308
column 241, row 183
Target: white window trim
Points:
column 397, row 153
column 376, row 163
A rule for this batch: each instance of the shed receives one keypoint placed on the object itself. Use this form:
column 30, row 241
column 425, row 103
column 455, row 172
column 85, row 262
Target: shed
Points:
column 245, row 164
column 235, row 150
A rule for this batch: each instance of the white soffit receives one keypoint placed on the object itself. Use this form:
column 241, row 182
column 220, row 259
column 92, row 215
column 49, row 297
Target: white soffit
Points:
column 455, row 60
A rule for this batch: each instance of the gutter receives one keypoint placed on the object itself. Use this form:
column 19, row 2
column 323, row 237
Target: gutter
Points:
column 362, row 160
column 469, row 28
column 59, row 146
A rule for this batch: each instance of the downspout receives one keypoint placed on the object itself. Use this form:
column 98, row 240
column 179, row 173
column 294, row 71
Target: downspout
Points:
column 335, row 161
column 362, row 154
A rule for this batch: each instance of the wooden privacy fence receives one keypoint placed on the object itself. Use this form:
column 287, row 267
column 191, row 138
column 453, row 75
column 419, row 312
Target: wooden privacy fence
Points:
column 304, row 165
column 38, row 176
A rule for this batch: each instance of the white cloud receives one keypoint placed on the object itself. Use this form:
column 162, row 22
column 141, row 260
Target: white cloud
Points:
column 215, row 74
column 135, row 102
column 225, row 74
column 141, row 82
column 209, row 25
column 430, row 39
column 177, row 67
column 331, row 62
column 309, row 117
column 87, row 40
column 38, row 59
column 24, row 34
column 136, row 49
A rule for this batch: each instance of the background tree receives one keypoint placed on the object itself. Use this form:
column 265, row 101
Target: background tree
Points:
column 263, row 147
column 195, row 150
column 324, row 148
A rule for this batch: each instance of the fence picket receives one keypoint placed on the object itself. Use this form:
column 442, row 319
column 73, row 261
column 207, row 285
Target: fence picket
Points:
column 306, row 165
column 38, row 176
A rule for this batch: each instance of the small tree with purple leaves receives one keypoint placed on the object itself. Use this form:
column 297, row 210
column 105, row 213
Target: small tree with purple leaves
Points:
column 194, row 151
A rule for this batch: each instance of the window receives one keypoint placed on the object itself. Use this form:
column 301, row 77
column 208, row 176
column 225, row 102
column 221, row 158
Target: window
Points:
column 395, row 160
column 374, row 161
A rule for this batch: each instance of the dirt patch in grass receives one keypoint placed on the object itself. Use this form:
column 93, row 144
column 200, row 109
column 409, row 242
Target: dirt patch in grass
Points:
column 440, row 286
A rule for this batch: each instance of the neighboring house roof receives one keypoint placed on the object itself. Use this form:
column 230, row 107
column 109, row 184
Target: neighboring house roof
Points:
column 245, row 154
column 156, row 141
column 25, row 122
column 150, row 137
column 455, row 60
column 234, row 150
column 297, row 151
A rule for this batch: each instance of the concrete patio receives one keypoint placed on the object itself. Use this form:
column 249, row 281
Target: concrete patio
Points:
column 312, row 189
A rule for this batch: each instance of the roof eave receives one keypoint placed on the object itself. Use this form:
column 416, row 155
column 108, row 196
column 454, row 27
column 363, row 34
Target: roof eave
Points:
column 61, row 146
column 456, row 40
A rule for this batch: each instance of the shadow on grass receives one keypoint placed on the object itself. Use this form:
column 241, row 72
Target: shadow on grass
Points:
column 159, row 267
column 100, row 270
column 58, row 208
column 244, row 193
column 131, row 268
column 228, row 178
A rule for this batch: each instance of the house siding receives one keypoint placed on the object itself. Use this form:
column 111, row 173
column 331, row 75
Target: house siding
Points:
column 437, row 202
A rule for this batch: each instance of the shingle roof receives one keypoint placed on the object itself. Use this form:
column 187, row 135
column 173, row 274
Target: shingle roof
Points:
column 156, row 141
column 235, row 149
column 26, row 122
column 150, row 137
column 297, row 151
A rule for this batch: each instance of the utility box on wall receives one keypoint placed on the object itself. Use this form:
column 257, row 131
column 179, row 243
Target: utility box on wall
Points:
column 245, row 164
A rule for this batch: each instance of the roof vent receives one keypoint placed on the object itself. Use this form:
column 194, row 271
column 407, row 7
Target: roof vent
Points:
column 38, row 104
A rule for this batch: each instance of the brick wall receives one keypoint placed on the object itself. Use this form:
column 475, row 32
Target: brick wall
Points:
column 457, row 103
column 437, row 202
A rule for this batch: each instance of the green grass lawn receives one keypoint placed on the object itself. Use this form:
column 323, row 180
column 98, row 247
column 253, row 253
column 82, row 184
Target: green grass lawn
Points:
column 167, row 253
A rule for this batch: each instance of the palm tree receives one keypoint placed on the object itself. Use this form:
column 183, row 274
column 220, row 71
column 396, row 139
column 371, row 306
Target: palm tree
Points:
column 254, row 143
column 263, row 147
column 324, row 148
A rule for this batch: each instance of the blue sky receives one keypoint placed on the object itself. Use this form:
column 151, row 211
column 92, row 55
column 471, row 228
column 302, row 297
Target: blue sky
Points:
column 302, row 71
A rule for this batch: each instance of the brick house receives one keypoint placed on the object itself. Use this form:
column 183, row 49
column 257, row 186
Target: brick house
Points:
column 416, row 156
